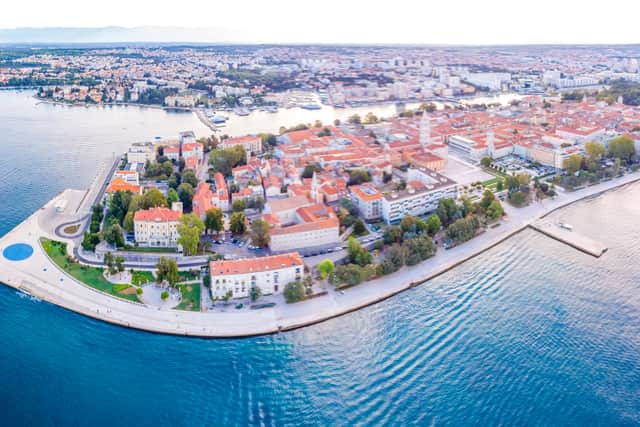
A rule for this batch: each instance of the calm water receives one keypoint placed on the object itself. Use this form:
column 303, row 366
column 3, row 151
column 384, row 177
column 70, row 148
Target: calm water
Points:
column 530, row 333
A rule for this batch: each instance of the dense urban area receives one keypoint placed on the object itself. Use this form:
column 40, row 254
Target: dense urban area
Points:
column 193, row 222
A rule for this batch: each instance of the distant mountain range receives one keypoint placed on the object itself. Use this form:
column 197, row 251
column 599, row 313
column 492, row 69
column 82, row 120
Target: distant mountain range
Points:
column 60, row 35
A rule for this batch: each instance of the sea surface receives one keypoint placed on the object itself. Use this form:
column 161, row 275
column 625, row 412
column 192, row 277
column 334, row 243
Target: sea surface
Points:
column 530, row 333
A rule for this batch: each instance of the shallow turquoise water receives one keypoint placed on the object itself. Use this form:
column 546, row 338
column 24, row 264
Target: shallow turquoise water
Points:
column 530, row 333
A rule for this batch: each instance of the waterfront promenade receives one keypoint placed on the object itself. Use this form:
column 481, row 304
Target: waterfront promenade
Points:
column 42, row 278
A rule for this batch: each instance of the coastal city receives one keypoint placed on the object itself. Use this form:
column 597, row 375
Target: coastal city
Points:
column 225, row 224
column 335, row 214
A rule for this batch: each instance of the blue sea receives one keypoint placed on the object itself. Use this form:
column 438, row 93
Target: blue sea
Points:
column 530, row 333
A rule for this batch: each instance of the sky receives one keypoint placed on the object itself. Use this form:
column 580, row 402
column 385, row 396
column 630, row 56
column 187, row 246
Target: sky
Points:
column 349, row 21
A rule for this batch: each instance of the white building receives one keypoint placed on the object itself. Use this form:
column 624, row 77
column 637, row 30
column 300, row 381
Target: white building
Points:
column 309, row 226
column 140, row 152
column 270, row 274
column 157, row 227
column 424, row 190
column 251, row 144
column 368, row 200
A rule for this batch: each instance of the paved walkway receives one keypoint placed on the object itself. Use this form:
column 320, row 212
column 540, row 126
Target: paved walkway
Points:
column 40, row 277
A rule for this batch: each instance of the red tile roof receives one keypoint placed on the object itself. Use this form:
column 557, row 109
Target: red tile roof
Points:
column 157, row 215
column 244, row 266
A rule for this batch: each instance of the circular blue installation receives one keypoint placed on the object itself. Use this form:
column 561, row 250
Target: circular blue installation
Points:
column 17, row 252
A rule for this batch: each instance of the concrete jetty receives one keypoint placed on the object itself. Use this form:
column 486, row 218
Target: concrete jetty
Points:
column 565, row 234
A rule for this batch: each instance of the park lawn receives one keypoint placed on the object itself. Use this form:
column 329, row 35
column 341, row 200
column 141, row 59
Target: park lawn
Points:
column 190, row 297
column 90, row 276
column 140, row 278
column 492, row 182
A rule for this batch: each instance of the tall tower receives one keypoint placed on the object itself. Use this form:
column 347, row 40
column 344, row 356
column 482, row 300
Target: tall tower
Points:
column 315, row 194
column 425, row 130
column 491, row 143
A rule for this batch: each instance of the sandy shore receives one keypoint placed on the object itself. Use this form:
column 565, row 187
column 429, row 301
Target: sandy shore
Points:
column 39, row 276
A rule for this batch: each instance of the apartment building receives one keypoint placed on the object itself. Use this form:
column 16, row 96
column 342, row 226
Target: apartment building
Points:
column 368, row 200
column 424, row 190
column 270, row 274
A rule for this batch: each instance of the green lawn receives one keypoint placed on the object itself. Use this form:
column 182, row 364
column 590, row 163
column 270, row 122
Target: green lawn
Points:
column 139, row 278
column 190, row 297
column 90, row 276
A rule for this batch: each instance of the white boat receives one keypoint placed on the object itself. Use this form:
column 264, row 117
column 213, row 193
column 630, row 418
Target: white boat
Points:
column 566, row 226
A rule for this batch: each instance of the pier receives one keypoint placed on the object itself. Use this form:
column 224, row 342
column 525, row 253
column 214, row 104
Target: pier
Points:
column 569, row 237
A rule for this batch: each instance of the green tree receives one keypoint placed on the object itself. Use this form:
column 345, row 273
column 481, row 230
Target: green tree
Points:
column 90, row 241
column 108, row 260
column 213, row 220
column 463, row 229
column 189, row 230
column 433, row 224
column 164, row 295
column 594, row 151
column 239, row 205
column 494, row 210
column 255, row 292
column 113, row 234
column 622, row 148
column 518, row 198
column 153, row 198
column 354, row 119
column 260, row 233
column 408, row 224
column 358, row 176
column 418, row 249
column 358, row 227
column 309, row 170
column 185, row 194
column 326, row 268
column 119, row 263
column 485, row 161
column 189, row 176
column 487, row 198
column 392, row 234
column 225, row 159
column 294, row 292
column 167, row 269
column 396, row 255
column 172, row 196
column 448, row 210
column 237, row 223
column 358, row 254
column 573, row 163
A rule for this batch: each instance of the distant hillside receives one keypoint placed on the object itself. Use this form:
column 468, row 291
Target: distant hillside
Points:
column 118, row 34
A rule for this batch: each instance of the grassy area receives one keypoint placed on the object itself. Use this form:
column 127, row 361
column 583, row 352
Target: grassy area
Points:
column 90, row 276
column 190, row 297
column 140, row 278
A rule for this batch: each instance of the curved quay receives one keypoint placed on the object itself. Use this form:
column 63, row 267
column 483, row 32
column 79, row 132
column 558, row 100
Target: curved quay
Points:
column 40, row 277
